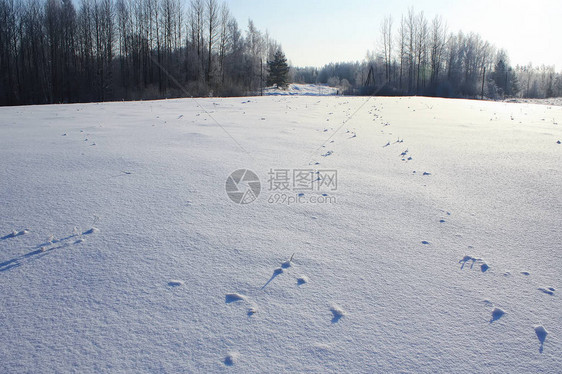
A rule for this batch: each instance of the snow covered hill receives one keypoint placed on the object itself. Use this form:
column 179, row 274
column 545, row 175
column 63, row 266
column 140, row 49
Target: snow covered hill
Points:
column 388, row 234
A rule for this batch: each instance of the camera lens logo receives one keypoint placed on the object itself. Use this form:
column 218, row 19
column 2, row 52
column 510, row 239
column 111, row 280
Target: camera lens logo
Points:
column 243, row 186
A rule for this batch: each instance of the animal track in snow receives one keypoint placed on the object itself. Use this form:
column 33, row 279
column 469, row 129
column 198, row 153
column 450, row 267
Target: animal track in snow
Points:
column 276, row 272
column 547, row 290
column 541, row 335
column 337, row 313
column 302, row 280
column 252, row 310
column 175, row 283
column 15, row 233
column 472, row 261
column 93, row 230
column 40, row 250
column 231, row 358
column 233, row 297
column 497, row 313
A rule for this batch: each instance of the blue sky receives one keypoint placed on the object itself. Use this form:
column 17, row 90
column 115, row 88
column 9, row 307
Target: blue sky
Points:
column 315, row 32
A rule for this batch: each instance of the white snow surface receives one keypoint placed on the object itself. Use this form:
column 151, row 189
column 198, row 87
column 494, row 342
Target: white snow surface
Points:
column 299, row 89
column 405, row 273
column 556, row 101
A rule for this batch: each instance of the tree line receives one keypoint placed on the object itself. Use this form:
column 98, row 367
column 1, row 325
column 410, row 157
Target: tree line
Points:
column 52, row 51
column 418, row 56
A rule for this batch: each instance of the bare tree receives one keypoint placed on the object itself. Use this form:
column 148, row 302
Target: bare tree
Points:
column 403, row 54
column 224, row 38
column 255, row 46
column 212, row 26
column 386, row 31
column 421, row 49
column 437, row 49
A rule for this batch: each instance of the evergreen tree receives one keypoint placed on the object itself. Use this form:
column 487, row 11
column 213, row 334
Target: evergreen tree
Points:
column 278, row 70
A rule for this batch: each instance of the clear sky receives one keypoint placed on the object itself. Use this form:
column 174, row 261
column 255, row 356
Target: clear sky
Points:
column 316, row 32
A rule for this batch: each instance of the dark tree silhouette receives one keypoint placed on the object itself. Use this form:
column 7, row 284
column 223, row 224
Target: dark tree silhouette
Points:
column 278, row 70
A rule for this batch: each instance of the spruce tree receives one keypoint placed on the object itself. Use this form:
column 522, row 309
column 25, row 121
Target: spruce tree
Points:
column 278, row 70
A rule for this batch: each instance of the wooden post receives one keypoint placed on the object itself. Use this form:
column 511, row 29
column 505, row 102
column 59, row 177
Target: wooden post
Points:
column 483, row 78
column 261, row 76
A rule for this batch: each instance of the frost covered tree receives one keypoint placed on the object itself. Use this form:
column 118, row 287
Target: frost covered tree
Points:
column 504, row 76
column 55, row 51
column 278, row 70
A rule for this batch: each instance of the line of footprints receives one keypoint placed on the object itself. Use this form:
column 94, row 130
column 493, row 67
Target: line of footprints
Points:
column 337, row 312
column 497, row 313
column 475, row 263
column 470, row 261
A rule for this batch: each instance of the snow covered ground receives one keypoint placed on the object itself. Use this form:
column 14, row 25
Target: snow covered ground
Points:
column 439, row 249
column 557, row 101
column 302, row 90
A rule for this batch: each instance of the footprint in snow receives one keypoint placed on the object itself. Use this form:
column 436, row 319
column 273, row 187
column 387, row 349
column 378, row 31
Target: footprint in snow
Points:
column 93, row 230
column 541, row 335
column 471, row 261
column 337, row 313
column 497, row 313
column 548, row 290
column 15, row 233
column 252, row 310
column 233, row 297
column 231, row 358
column 302, row 280
column 175, row 283
column 285, row 265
